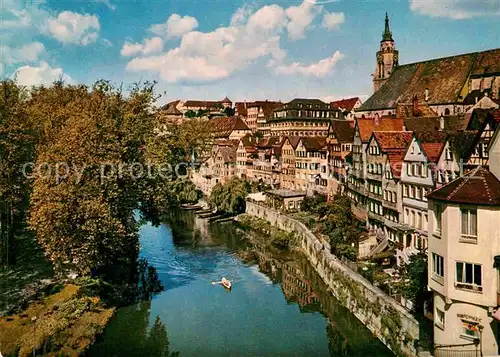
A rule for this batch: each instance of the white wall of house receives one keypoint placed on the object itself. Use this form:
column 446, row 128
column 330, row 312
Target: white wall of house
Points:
column 458, row 302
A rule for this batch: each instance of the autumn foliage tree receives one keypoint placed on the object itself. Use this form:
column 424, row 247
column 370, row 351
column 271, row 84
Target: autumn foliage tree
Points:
column 16, row 148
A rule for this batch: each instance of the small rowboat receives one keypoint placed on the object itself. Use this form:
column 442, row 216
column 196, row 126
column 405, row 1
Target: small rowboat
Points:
column 226, row 283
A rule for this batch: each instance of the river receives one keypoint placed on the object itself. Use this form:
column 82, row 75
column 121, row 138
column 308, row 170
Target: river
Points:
column 278, row 305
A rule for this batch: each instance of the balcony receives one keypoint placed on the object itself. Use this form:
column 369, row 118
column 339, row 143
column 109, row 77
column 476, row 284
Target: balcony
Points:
column 375, row 216
column 388, row 204
column 469, row 287
column 468, row 239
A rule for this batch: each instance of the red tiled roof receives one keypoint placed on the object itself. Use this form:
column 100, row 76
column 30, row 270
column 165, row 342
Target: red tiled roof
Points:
column 367, row 126
column 240, row 108
column 432, row 143
column 479, row 186
column 343, row 130
column 202, row 103
column 294, row 141
column 444, row 79
column 223, row 126
column 313, row 143
column 393, row 140
column 345, row 104
column 432, row 150
column 396, row 162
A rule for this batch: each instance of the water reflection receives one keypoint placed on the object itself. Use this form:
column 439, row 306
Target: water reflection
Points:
column 278, row 305
column 141, row 338
column 299, row 283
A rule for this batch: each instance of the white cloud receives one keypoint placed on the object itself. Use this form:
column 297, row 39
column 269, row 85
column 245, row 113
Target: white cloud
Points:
column 30, row 52
column 150, row 45
column 176, row 26
column 456, row 9
column 241, row 15
column 108, row 4
column 43, row 74
column 301, row 18
column 74, row 28
column 208, row 56
column 333, row 20
column 318, row 69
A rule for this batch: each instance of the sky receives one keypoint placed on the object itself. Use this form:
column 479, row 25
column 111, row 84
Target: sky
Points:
column 246, row 50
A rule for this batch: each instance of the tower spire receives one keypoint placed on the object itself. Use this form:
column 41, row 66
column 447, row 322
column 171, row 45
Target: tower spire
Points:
column 387, row 35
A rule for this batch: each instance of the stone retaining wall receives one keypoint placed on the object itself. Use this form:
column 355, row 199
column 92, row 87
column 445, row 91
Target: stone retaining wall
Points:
column 382, row 315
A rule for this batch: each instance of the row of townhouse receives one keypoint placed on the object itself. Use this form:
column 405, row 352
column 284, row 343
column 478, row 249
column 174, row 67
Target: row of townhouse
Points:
column 397, row 162
column 301, row 163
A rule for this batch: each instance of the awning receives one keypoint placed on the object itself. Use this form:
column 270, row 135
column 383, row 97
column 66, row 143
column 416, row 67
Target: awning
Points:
column 496, row 262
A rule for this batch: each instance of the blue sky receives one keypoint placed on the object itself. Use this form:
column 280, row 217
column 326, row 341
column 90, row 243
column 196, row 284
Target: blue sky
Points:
column 247, row 50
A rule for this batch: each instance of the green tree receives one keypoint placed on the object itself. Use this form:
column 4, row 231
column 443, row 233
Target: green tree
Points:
column 414, row 277
column 229, row 111
column 230, row 197
column 16, row 149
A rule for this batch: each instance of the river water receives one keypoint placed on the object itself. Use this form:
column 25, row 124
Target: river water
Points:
column 278, row 305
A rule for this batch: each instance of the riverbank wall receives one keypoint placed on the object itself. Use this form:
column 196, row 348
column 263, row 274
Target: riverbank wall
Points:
column 383, row 316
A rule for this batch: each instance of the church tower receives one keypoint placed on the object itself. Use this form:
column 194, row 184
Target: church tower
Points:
column 387, row 58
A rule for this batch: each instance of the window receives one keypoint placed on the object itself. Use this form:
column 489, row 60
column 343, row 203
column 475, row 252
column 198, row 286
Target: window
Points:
column 418, row 193
column 439, row 318
column 437, row 267
column 405, row 191
column 469, row 276
column 437, row 216
column 419, row 220
column 469, row 222
column 469, row 330
column 448, row 155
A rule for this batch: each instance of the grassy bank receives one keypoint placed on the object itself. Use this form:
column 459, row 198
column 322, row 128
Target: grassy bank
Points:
column 62, row 323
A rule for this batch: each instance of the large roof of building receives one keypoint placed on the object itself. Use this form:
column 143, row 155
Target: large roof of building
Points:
column 294, row 141
column 172, row 110
column 393, row 140
column 228, row 153
column 432, row 143
column 345, row 104
column 343, row 130
column 202, row 103
column 443, row 77
column 367, row 126
column 304, row 103
column 313, row 143
column 479, row 187
column 223, row 126
column 451, row 123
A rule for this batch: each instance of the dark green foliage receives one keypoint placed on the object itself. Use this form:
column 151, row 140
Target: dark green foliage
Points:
column 414, row 277
column 312, row 203
column 230, row 197
column 229, row 111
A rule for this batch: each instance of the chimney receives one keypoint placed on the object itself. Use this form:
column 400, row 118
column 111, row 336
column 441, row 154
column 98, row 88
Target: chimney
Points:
column 245, row 104
column 377, row 121
column 414, row 108
column 426, row 94
column 441, row 123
